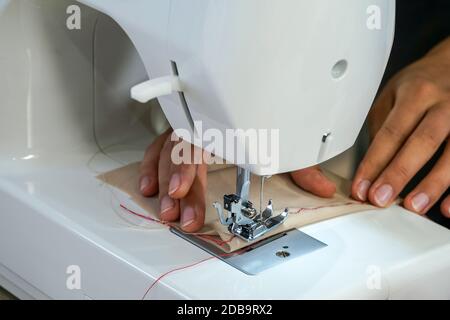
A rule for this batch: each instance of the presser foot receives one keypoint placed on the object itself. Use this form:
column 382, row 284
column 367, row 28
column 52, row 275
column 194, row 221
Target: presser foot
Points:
column 245, row 221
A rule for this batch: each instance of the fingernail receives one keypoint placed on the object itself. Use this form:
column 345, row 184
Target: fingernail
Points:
column 174, row 184
column 167, row 203
column 188, row 217
column 145, row 182
column 383, row 195
column 420, row 202
column 363, row 188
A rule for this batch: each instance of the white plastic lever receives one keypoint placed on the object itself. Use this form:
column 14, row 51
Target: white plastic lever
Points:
column 155, row 88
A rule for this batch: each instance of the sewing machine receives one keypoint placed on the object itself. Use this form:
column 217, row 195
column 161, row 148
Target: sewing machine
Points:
column 78, row 99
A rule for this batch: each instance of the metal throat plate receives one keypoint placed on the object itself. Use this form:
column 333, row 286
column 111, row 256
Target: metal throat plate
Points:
column 264, row 254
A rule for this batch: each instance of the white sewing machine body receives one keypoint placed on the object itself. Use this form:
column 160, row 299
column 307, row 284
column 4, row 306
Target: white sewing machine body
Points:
column 248, row 64
column 67, row 116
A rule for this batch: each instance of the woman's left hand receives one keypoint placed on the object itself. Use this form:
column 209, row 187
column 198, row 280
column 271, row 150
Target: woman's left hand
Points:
column 409, row 122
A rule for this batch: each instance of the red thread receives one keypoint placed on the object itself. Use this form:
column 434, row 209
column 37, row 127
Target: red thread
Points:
column 329, row 206
column 172, row 271
column 206, row 237
column 143, row 216
column 214, row 239
column 224, row 255
column 210, row 238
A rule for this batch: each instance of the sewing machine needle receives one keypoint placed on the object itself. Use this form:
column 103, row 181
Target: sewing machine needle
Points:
column 261, row 197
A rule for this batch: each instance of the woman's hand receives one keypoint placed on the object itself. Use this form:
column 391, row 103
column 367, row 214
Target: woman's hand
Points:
column 181, row 188
column 409, row 122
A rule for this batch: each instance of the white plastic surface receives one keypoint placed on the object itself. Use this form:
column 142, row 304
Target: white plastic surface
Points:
column 67, row 116
column 265, row 65
column 44, row 228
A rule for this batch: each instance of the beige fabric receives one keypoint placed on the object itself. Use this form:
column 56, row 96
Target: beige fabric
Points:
column 304, row 208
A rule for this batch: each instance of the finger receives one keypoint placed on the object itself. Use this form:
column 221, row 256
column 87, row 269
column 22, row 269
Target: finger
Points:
column 193, row 205
column 445, row 207
column 380, row 110
column 169, row 208
column 418, row 149
column 410, row 106
column 430, row 190
column 313, row 180
column 182, row 175
column 148, row 182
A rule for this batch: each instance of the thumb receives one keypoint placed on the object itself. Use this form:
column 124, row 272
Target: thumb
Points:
column 313, row 180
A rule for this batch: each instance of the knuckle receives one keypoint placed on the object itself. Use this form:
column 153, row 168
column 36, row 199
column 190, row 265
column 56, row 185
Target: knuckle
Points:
column 422, row 88
column 392, row 132
column 429, row 138
column 401, row 172
column 426, row 89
